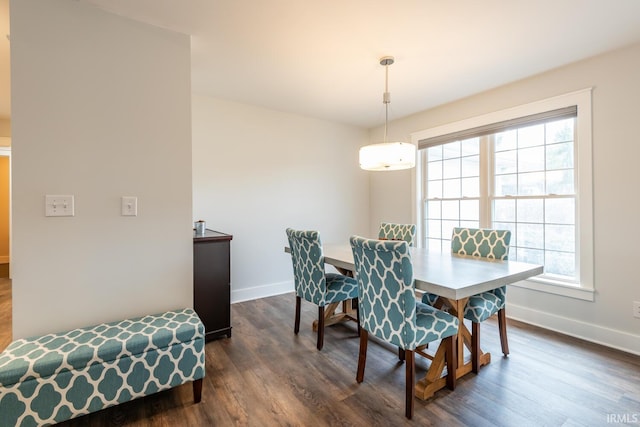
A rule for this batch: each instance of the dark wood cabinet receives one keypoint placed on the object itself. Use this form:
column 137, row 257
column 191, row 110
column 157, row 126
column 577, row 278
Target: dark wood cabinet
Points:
column 212, row 282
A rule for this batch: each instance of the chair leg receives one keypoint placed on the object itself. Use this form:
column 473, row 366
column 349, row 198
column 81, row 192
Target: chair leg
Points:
column 401, row 354
column 502, row 326
column 357, row 315
column 410, row 391
column 320, row 327
column 475, row 347
column 296, row 325
column 362, row 355
column 197, row 391
column 452, row 361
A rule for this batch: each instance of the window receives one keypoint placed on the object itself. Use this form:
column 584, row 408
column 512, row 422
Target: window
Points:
column 527, row 170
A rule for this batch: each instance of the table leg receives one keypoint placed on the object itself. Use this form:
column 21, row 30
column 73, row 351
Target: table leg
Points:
column 434, row 379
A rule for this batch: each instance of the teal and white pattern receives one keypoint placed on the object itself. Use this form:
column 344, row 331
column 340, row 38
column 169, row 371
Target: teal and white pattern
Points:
column 482, row 243
column 390, row 231
column 386, row 292
column 48, row 379
column 311, row 281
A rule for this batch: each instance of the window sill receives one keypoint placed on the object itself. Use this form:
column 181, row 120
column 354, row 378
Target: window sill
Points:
column 556, row 288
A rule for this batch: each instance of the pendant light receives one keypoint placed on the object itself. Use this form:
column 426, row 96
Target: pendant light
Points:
column 387, row 156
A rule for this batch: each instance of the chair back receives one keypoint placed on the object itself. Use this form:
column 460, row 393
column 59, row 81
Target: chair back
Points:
column 391, row 231
column 308, row 265
column 481, row 242
column 386, row 291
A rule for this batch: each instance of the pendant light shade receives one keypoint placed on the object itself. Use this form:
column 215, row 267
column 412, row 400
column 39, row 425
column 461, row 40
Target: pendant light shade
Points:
column 387, row 156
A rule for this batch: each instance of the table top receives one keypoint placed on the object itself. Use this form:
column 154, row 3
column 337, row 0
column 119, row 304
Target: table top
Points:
column 446, row 274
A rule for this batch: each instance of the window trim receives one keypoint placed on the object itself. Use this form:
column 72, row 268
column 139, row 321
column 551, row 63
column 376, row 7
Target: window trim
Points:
column 584, row 182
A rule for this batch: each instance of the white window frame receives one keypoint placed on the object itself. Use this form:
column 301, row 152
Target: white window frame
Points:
column 585, row 290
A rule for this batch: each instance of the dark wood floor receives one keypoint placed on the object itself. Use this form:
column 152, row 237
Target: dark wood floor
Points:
column 266, row 376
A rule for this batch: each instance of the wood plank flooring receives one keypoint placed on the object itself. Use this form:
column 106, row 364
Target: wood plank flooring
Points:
column 266, row 376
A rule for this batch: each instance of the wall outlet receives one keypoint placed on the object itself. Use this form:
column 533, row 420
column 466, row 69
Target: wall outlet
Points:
column 636, row 309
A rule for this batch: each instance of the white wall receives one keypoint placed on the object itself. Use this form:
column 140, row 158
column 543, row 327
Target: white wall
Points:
column 615, row 150
column 100, row 109
column 258, row 171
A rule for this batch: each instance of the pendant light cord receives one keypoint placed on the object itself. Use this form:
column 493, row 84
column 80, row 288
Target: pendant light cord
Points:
column 386, row 96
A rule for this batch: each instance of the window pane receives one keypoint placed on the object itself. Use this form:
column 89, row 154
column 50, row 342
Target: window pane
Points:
column 560, row 131
column 504, row 210
column 451, row 150
column 434, row 189
column 451, row 188
column 433, row 209
column 506, row 185
column 531, row 236
column 533, row 256
column 434, row 153
column 560, row 156
column 434, row 170
column 470, row 166
column 530, row 184
column 560, row 237
column 530, row 210
column 560, row 263
column 470, row 146
column 505, row 162
column 451, row 209
column 506, row 140
column 531, row 159
column 451, row 168
column 560, row 182
column 531, row 136
column 434, row 229
column 470, row 209
column 560, row 211
column 470, row 224
column 470, row 187
column 447, row 227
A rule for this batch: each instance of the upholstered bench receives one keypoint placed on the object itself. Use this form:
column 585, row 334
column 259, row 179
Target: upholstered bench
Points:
column 55, row 377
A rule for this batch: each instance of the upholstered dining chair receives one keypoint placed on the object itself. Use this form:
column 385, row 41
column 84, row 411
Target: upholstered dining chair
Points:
column 388, row 309
column 311, row 281
column 482, row 243
column 391, row 231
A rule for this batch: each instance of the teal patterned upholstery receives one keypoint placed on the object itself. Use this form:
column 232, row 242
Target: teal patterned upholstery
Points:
column 388, row 306
column 390, row 231
column 48, row 379
column 310, row 280
column 386, row 292
column 483, row 243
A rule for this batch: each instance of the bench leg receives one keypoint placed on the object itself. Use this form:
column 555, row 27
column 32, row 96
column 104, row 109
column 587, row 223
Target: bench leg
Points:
column 197, row 391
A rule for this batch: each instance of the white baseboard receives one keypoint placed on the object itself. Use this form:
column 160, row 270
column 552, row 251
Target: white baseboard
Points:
column 613, row 338
column 269, row 290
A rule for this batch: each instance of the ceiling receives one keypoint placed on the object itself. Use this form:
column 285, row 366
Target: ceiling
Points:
column 321, row 58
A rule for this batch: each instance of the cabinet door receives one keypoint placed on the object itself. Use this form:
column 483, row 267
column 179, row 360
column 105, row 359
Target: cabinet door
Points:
column 211, row 281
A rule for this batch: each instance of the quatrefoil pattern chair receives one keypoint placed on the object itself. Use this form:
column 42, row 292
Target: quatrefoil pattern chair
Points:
column 388, row 308
column 311, row 281
column 390, row 231
column 490, row 244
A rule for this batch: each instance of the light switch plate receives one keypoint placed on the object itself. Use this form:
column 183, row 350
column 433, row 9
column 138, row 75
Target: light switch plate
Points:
column 129, row 206
column 58, row 205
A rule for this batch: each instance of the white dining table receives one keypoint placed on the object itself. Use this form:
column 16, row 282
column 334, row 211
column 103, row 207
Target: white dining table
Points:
column 454, row 278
